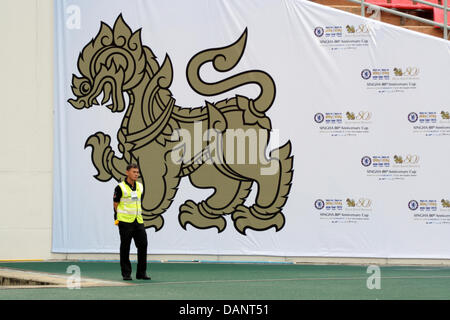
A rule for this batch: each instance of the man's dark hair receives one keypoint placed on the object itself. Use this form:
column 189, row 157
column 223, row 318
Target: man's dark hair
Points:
column 132, row 166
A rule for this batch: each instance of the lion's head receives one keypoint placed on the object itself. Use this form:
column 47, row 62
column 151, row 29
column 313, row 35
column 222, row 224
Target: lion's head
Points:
column 112, row 62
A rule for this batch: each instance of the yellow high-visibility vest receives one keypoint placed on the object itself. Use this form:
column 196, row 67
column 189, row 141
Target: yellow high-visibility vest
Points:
column 130, row 209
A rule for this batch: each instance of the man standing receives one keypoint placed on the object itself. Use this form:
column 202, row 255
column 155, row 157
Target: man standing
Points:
column 128, row 211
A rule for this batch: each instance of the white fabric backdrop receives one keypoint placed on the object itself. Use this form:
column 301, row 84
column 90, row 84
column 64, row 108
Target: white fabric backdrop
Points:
column 322, row 70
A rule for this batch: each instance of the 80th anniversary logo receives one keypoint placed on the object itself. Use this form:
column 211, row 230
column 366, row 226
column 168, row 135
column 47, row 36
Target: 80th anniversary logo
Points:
column 430, row 123
column 430, row 211
column 391, row 79
column 350, row 210
column 348, row 123
column 339, row 37
column 387, row 167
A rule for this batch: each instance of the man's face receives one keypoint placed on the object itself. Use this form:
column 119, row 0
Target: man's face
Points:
column 133, row 174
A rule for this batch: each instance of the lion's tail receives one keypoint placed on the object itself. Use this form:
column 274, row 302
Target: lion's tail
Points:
column 224, row 59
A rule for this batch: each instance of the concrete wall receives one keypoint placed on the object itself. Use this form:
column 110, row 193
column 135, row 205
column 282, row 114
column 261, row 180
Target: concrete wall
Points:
column 26, row 84
column 26, row 64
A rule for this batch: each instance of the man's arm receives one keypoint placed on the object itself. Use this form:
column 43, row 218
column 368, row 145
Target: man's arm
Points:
column 116, row 204
column 116, row 200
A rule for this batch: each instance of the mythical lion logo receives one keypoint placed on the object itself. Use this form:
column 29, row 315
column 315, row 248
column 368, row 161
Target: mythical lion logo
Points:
column 398, row 159
column 445, row 203
column 157, row 134
column 351, row 202
column 350, row 115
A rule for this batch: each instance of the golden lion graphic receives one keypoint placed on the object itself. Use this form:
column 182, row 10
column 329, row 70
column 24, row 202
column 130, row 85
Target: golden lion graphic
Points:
column 350, row 202
column 155, row 132
column 445, row 203
column 398, row 159
column 398, row 72
column 350, row 115
column 350, row 29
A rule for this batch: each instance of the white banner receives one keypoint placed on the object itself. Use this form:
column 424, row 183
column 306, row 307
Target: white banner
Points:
column 358, row 108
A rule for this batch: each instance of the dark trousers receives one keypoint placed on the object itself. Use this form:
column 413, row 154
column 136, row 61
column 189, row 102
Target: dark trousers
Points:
column 137, row 232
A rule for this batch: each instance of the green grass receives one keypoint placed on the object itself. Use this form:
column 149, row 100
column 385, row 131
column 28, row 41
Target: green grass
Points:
column 206, row 281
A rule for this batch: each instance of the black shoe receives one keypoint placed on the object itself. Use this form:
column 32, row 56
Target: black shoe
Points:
column 127, row 278
column 144, row 277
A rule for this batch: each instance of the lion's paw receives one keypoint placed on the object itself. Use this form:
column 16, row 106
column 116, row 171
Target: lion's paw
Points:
column 190, row 212
column 156, row 222
column 245, row 217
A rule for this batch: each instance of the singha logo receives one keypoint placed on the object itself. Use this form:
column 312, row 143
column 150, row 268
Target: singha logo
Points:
column 398, row 72
column 350, row 115
column 445, row 203
column 157, row 134
column 445, row 115
column 350, row 202
column 398, row 159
